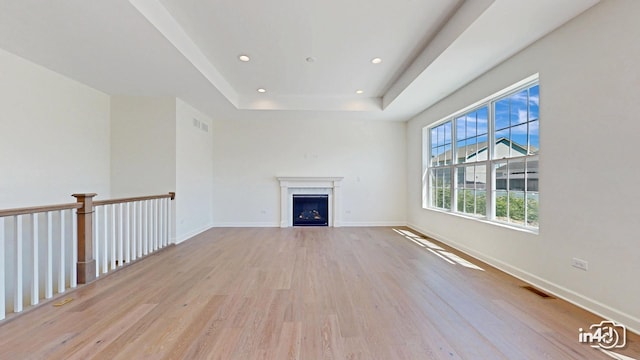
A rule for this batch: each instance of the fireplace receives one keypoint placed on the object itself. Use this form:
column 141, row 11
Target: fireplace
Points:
column 310, row 210
column 310, row 185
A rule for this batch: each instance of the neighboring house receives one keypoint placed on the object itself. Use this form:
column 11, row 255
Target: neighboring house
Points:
column 515, row 172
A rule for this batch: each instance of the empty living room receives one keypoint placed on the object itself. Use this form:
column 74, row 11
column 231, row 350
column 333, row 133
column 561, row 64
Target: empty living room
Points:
column 412, row 179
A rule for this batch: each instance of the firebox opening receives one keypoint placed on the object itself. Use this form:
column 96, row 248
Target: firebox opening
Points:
column 310, row 210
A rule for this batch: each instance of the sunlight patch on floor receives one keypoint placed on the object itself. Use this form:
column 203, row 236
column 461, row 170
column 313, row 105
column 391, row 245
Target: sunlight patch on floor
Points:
column 460, row 260
column 442, row 257
column 451, row 258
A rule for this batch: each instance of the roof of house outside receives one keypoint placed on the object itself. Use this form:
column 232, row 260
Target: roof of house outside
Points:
column 470, row 151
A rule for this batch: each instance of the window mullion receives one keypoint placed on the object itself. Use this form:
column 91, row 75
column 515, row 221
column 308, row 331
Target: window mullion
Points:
column 490, row 185
column 451, row 187
column 526, row 186
column 528, row 120
column 508, row 190
column 454, row 157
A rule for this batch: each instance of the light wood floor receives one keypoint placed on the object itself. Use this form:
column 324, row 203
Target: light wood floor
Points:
column 308, row 293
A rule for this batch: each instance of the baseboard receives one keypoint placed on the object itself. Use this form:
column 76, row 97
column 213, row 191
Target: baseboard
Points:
column 632, row 323
column 342, row 224
column 182, row 238
column 372, row 223
column 246, row 224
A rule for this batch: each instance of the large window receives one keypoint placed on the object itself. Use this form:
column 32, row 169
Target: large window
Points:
column 483, row 161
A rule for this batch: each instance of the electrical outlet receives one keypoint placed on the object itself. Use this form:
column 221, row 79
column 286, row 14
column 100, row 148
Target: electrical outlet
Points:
column 580, row 264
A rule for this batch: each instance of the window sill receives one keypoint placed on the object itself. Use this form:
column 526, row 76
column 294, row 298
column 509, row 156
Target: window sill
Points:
column 486, row 221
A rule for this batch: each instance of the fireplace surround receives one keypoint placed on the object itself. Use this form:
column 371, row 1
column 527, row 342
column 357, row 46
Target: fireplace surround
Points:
column 310, row 185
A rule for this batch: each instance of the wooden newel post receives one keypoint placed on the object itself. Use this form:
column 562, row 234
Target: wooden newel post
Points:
column 86, row 266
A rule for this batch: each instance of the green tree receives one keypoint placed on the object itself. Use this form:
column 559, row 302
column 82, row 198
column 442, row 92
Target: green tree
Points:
column 514, row 208
column 443, row 198
column 532, row 211
column 472, row 203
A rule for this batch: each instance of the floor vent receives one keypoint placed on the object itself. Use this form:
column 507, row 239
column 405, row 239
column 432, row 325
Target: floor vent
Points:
column 537, row 292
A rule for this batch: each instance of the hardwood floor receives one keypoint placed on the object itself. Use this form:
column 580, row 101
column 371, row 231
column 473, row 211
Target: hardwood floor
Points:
column 303, row 293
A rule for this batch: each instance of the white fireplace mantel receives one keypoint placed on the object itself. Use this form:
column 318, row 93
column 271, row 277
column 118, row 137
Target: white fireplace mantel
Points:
column 290, row 185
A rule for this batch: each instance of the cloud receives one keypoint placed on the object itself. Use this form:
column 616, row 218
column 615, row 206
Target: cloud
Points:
column 522, row 116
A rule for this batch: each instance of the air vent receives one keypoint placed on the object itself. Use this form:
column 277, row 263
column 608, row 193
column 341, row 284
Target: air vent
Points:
column 540, row 293
column 204, row 127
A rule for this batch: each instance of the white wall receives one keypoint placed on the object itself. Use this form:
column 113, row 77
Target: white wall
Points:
column 249, row 154
column 143, row 145
column 54, row 136
column 156, row 149
column 194, row 172
column 54, row 141
column 589, row 92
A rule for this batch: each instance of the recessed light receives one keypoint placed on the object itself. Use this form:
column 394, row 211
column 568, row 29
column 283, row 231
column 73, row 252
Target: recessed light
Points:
column 359, row 91
column 376, row 61
column 244, row 58
column 310, row 59
column 262, row 90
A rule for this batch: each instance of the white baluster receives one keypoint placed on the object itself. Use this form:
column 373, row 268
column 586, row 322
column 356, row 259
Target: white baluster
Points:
column 105, row 240
column 149, row 249
column 143, row 229
column 134, row 230
column 150, row 225
column 169, row 204
column 62, row 279
column 113, row 236
column 151, row 229
column 164, row 222
column 167, row 211
column 140, row 229
column 170, row 222
column 17, row 237
column 74, row 249
column 48, row 286
column 35, row 288
column 96, row 238
column 161, row 223
column 120, row 258
column 127, row 231
column 154, row 204
column 2, row 271
column 146, row 227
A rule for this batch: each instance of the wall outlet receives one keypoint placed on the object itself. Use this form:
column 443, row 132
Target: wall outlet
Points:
column 580, row 264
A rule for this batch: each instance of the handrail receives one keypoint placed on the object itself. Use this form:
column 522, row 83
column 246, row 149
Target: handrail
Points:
column 57, row 207
column 170, row 195
column 38, row 209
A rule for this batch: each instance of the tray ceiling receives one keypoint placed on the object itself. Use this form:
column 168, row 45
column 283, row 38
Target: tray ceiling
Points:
column 312, row 58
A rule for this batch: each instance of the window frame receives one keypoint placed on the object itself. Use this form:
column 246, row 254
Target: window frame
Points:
column 489, row 163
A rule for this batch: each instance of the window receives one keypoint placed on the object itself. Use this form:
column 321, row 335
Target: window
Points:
column 484, row 160
column 517, row 143
column 471, row 150
column 440, row 172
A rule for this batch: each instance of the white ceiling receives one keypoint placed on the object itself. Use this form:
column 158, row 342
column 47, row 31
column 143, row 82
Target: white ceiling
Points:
column 189, row 49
